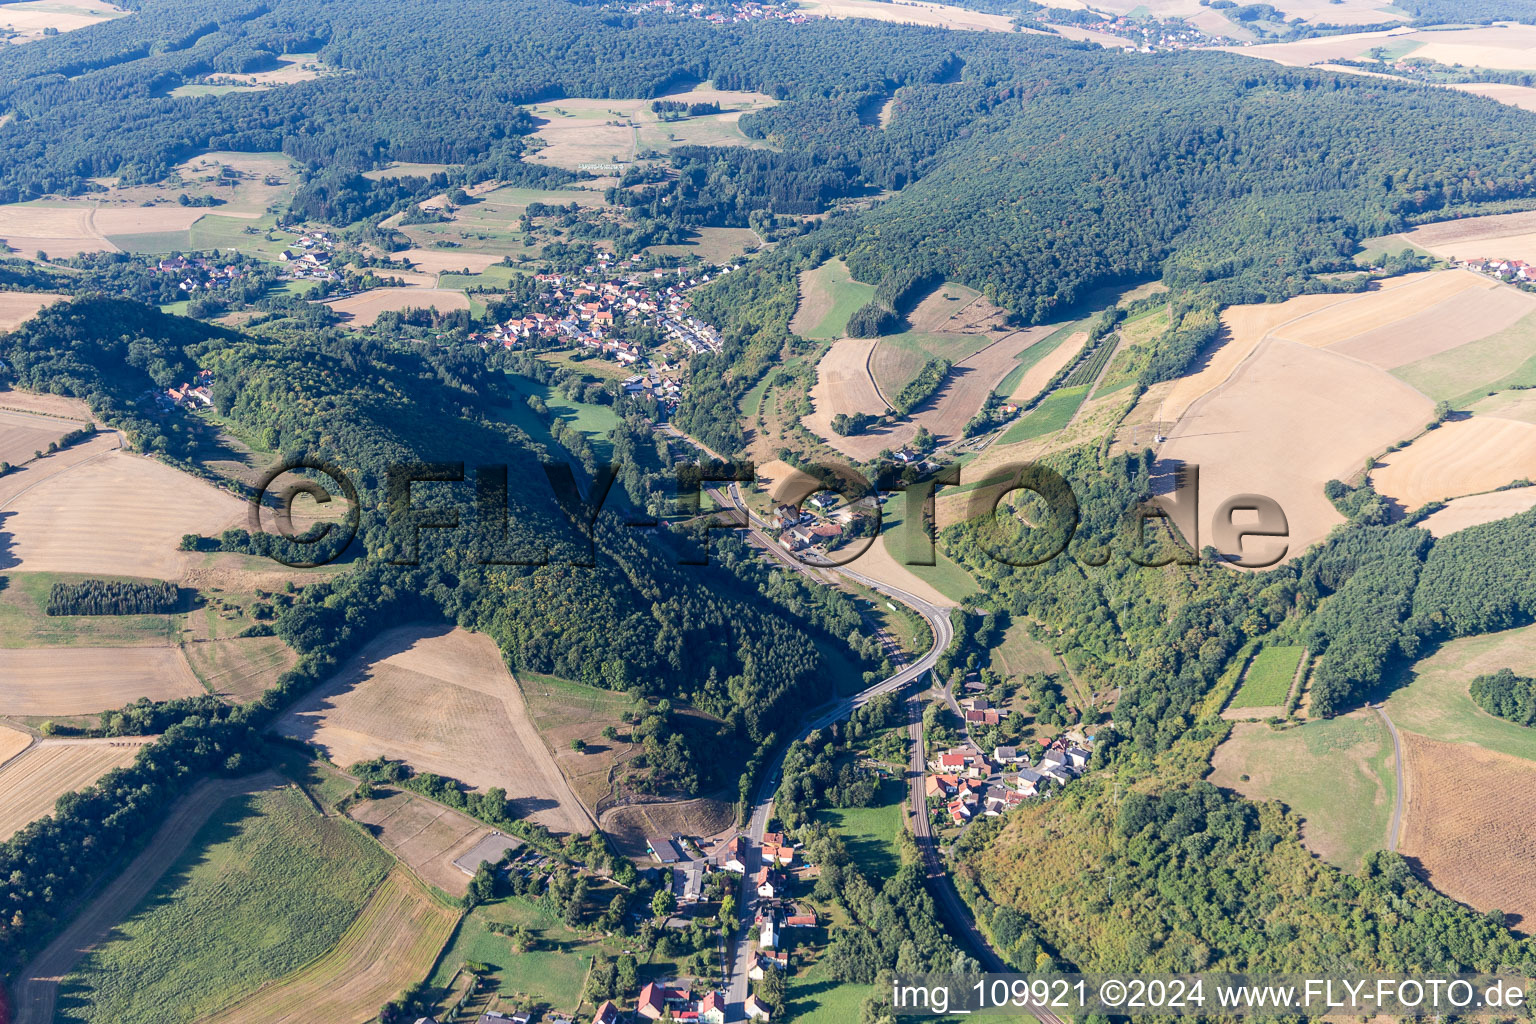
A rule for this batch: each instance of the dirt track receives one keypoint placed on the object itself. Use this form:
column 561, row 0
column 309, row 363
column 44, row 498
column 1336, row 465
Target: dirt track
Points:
column 37, row 988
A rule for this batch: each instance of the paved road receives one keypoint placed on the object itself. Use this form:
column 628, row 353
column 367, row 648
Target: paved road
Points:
column 951, row 907
column 1397, row 761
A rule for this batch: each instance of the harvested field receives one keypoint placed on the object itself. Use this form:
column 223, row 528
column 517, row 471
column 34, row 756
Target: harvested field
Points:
column 1522, row 96
column 1336, row 773
column 564, row 711
column 1466, row 832
column 1244, row 327
column 1039, row 375
column 40, row 682
column 1464, row 318
column 70, row 228
column 362, row 310
column 843, row 384
column 907, row 12
column 1331, row 12
column 1291, row 419
column 1506, row 235
column 291, row 68
column 442, row 261
column 1466, row 456
column 1367, row 311
column 1322, row 49
column 828, row 296
column 31, row 782
column 16, row 308
column 31, row 20
column 107, row 512
column 392, row 944
column 1501, row 47
column 12, row 742
column 1477, row 509
column 1467, row 374
column 427, row 836
column 37, row 988
column 23, row 433
column 56, row 406
column 240, row 668
column 443, row 701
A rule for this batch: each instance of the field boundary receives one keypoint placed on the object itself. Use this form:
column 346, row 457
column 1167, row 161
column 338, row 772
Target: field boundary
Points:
column 37, row 988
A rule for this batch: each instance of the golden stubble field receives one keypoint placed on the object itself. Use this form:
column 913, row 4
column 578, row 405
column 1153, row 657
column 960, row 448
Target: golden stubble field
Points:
column 31, row 781
column 391, row 944
column 44, row 681
column 443, row 701
column 1300, row 392
column 1466, row 825
column 363, row 309
column 94, row 508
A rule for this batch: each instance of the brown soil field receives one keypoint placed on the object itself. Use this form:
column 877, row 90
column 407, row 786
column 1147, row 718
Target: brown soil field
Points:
column 1456, row 321
column 393, row 943
column 111, row 513
column 443, row 701
column 1522, row 96
column 1477, row 509
column 424, row 834
column 37, row 988
column 23, row 433
column 39, row 682
column 1290, row 419
column 16, row 308
column 30, row 783
column 704, row 818
column 1038, row 376
column 907, row 12
column 1466, row 831
column 1365, row 312
column 239, row 668
column 972, row 380
column 31, row 19
column 365, row 308
column 1467, row 456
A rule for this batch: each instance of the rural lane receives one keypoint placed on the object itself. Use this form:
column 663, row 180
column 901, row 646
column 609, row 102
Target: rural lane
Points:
column 1397, row 763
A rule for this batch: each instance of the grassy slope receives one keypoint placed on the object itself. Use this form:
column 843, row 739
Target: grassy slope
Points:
column 1336, row 773
column 593, row 420
column 266, row 887
column 944, row 575
column 1054, row 412
column 1468, row 372
column 847, row 296
column 1433, row 698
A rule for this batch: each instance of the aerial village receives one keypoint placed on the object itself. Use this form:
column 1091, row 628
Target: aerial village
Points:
column 745, row 10
column 590, row 311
